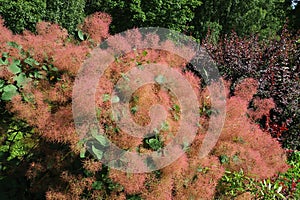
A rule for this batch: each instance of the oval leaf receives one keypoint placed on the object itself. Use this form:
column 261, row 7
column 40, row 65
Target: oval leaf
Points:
column 21, row 79
column 101, row 139
column 80, row 35
column 9, row 92
column 98, row 153
column 13, row 68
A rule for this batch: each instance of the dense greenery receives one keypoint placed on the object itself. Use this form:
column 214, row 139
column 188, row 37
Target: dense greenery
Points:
column 176, row 15
column 195, row 17
column 21, row 15
column 265, row 17
column 24, row 14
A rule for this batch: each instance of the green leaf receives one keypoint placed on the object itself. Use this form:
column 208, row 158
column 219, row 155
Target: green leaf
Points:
column 279, row 189
column 224, row 159
column 44, row 67
column 115, row 99
column 9, row 92
column 98, row 153
column 97, row 185
column 82, row 153
column 101, row 139
column 13, row 68
column 80, row 35
column 38, row 75
column 5, row 61
column 5, row 55
column 14, row 45
column 21, row 79
column 145, row 53
column 106, row 97
column 54, row 69
column 31, row 62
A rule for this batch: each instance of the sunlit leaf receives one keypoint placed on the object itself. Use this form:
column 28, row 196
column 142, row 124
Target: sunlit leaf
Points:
column 14, row 67
column 98, row 153
column 9, row 92
column 80, row 35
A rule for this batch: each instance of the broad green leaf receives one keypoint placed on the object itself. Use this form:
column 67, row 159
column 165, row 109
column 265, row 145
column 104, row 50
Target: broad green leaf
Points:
column 224, row 159
column 14, row 67
column 54, row 69
column 101, row 139
column 80, row 35
column 44, row 67
column 9, row 92
column 21, row 79
column 97, row 152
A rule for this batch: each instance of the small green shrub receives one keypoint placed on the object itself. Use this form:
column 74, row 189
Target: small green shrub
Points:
column 68, row 14
column 21, row 15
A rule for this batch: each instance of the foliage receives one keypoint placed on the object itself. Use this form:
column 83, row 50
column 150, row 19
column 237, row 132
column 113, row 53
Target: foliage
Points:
column 21, row 15
column 265, row 17
column 284, row 186
column 191, row 17
column 68, row 14
column 276, row 65
column 242, row 144
column 290, row 180
column 238, row 186
column 17, row 142
column 44, row 103
column 126, row 15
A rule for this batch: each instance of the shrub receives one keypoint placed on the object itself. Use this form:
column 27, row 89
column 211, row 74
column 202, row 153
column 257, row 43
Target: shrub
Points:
column 275, row 64
column 44, row 103
column 67, row 14
column 21, row 15
column 127, row 15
